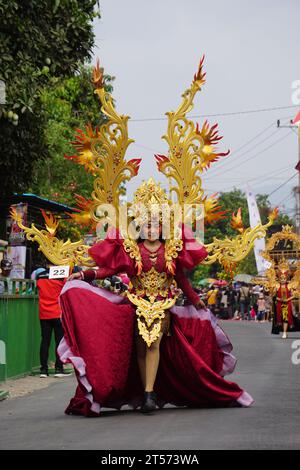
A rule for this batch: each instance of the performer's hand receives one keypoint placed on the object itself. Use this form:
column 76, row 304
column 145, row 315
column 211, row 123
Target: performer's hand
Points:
column 200, row 305
column 74, row 276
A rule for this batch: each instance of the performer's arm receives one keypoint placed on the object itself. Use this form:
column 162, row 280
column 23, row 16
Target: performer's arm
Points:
column 91, row 274
column 184, row 284
column 100, row 273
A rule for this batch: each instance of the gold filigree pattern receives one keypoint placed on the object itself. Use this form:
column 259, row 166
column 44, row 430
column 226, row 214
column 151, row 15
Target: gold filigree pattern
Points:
column 150, row 315
column 147, row 288
column 230, row 251
column 102, row 152
column 153, row 284
column 172, row 249
column 131, row 247
column 191, row 150
column 57, row 251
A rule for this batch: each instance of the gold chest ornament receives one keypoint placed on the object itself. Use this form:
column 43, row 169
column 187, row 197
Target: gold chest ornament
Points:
column 148, row 287
column 153, row 293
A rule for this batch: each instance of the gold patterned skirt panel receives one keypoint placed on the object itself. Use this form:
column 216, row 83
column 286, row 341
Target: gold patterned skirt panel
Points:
column 165, row 325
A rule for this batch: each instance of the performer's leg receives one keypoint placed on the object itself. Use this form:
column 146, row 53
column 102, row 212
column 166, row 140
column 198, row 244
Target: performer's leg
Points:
column 285, row 328
column 141, row 357
column 46, row 333
column 152, row 362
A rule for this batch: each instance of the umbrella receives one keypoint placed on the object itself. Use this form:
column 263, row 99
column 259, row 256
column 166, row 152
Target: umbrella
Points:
column 206, row 281
column 243, row 278
column 220, row 283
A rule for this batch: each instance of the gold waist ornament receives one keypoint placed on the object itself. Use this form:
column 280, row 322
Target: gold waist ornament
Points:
column 151, row 295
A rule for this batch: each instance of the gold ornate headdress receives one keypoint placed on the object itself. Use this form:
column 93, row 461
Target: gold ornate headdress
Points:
column 149, row 200
column 192, row 149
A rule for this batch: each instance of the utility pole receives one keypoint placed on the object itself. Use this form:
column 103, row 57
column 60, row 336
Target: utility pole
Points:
column 295, row 124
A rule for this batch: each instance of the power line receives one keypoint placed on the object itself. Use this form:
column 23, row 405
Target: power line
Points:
column 232, row 113
column 224, row 162
column 260, row 177
column 287, row 198
column 295, row 174
column 255, row 155
column 249, row 180
column 246, row 152
column 221, row 163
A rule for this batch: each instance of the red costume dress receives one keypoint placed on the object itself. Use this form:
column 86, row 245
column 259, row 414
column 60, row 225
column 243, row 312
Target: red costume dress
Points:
column 99, row 340
column 284, row 309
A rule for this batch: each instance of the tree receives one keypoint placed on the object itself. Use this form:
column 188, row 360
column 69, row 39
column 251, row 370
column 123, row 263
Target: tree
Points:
column 41, row 41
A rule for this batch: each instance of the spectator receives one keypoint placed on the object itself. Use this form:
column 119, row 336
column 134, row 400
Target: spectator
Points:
column 261, row 307
column 36, row 272
column 212, row 299
column 269, row 304
column 49, row 313
column 253, row 296
column 224, row 304
column 231, row 296
column 244, row 298
column 5, row 282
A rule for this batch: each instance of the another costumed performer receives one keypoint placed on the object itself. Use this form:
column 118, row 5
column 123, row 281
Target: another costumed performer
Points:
column 284, row 297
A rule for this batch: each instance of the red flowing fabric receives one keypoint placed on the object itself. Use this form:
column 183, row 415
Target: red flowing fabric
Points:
column 110, row 254
column 99, row 341
column 192, row 252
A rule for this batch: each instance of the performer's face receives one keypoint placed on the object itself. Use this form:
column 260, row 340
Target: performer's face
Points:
column 283, row 277
column 151, row 230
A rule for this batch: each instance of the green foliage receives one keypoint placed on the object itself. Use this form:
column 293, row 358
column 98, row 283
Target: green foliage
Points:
column 201, row 272
column 247, row 265
column 230, row 201
column 41, row 41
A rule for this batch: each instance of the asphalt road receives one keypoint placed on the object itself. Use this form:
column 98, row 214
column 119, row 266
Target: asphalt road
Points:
column 265, row 370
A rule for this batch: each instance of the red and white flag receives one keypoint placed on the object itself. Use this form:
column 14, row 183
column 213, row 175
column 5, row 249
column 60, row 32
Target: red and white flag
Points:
column 297, row 119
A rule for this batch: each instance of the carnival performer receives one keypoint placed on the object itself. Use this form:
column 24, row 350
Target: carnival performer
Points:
column 284, row 297
column 123, row 356
column 143, row 347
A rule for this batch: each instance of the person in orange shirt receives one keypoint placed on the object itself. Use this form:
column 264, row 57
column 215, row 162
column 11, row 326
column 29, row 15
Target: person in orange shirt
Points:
column 49, row 314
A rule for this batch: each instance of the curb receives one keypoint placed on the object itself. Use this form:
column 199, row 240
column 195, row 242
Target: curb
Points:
column 3, row 395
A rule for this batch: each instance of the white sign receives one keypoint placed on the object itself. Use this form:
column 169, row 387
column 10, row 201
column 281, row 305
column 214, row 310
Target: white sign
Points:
column 267, row 264
column 18, row 256
column 58, row 272
column 259, row 244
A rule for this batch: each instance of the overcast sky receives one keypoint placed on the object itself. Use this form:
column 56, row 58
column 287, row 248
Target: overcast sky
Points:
column 252, row 59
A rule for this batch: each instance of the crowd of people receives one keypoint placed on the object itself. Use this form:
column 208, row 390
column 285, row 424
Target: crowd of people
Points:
column 239, row 302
